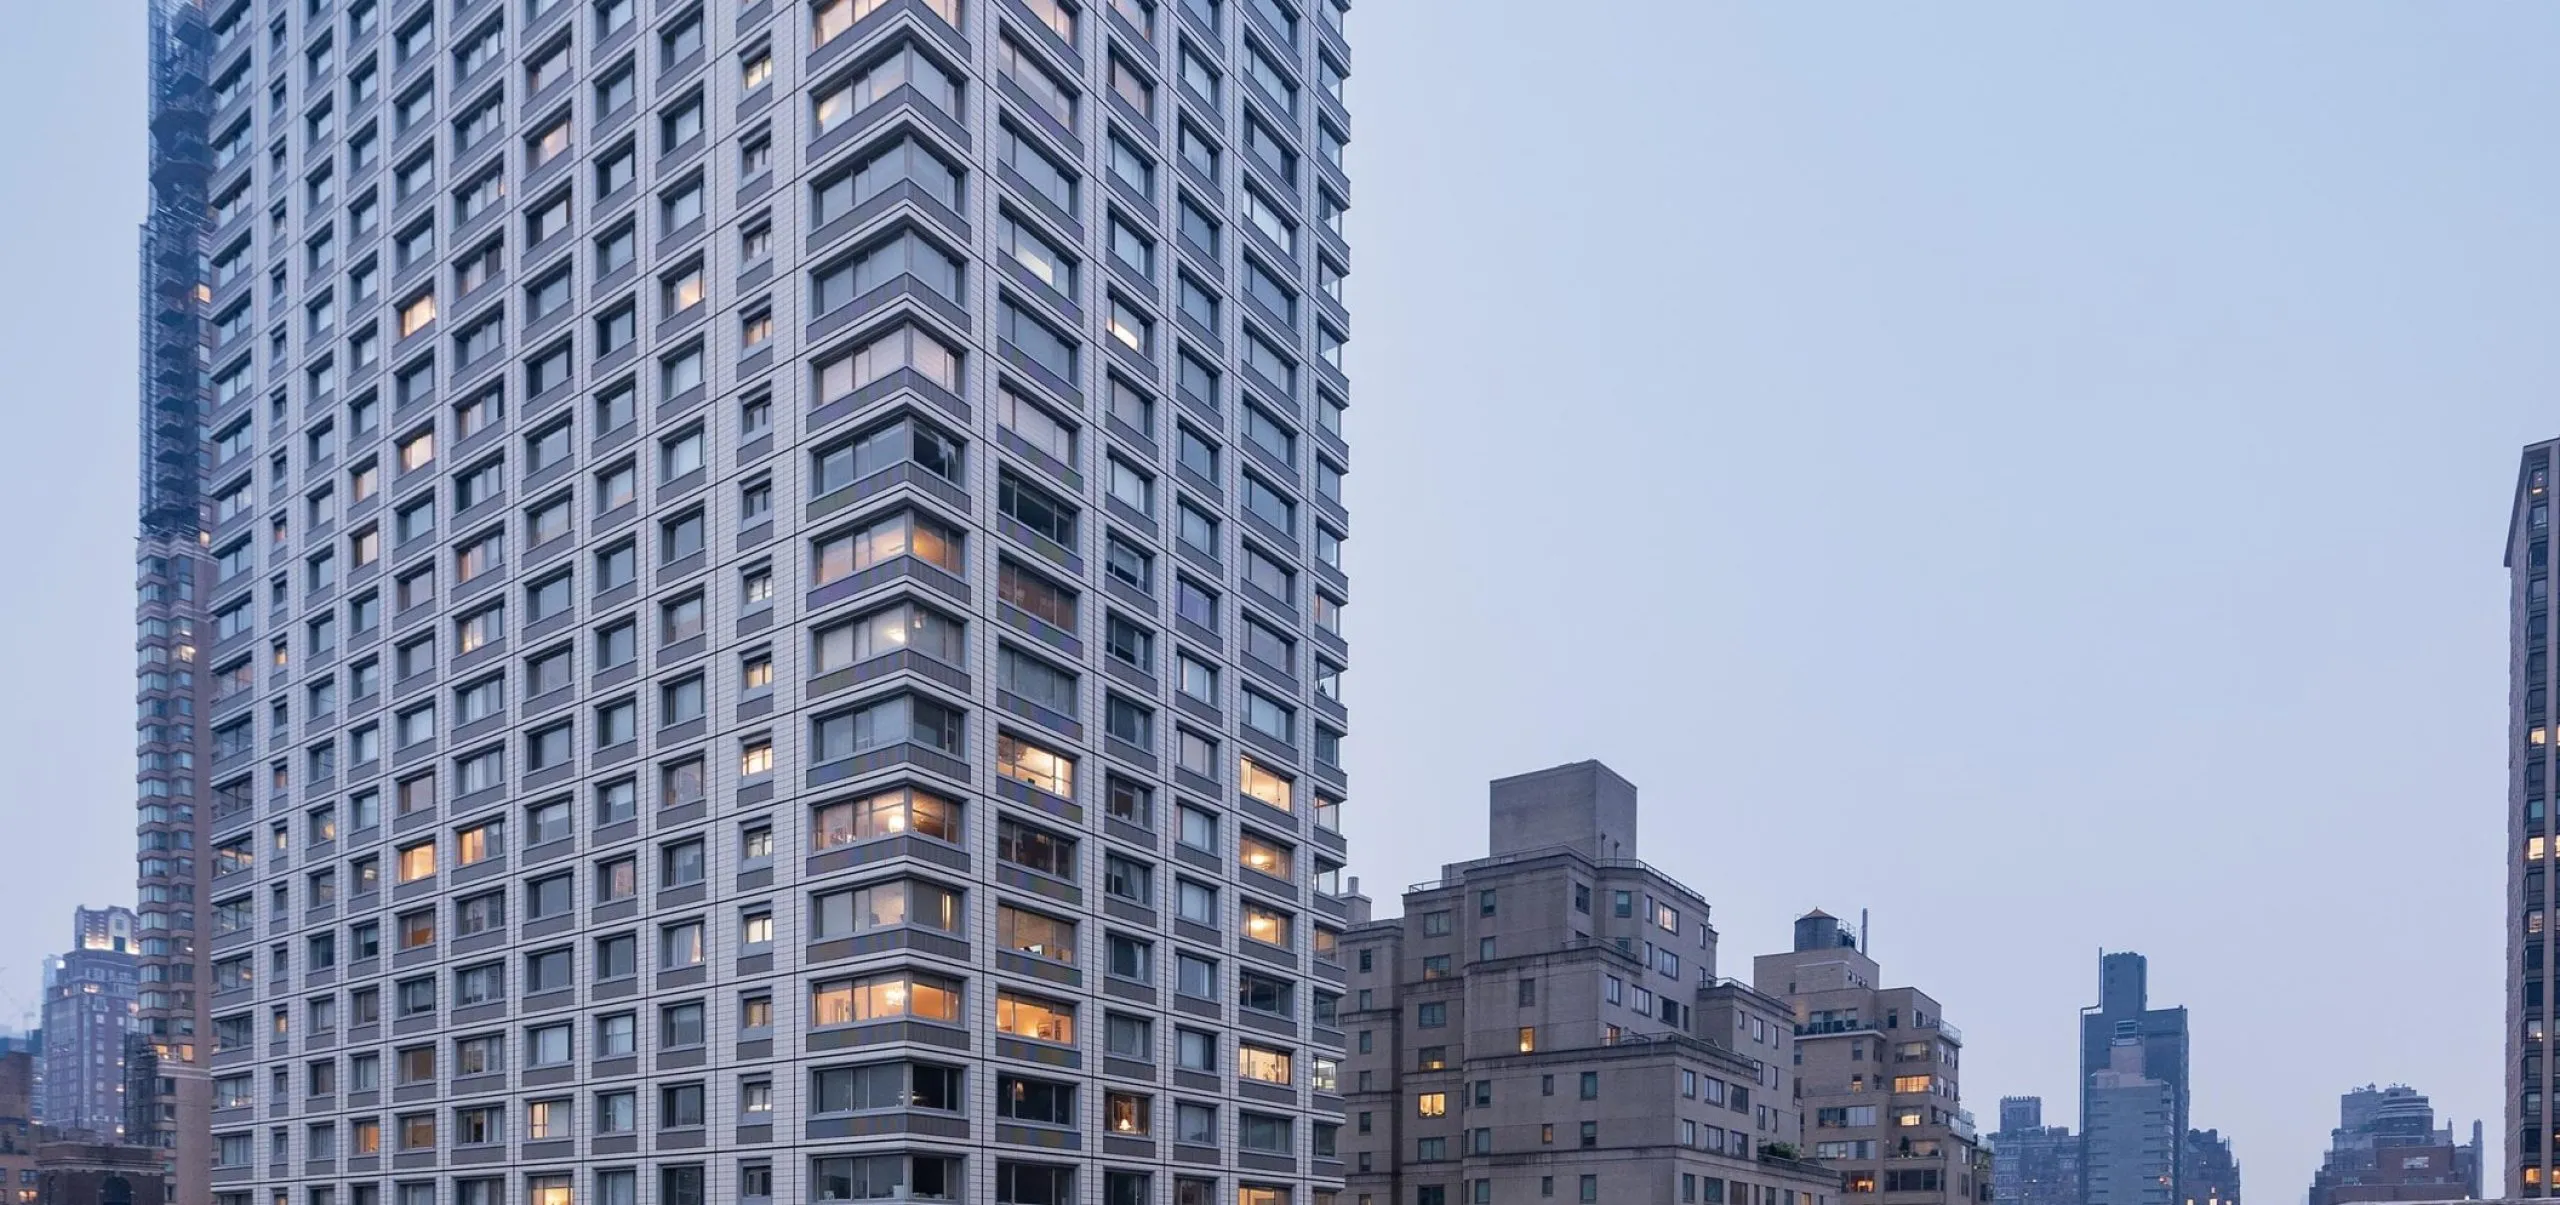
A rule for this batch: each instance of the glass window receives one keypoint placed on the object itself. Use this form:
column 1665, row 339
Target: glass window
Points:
column 1050, row 181
column 1035, row 765
column 905, row 348
column 1037, row 340
column 1039, row 1020
column 887, row 814
column 1035, row 934
column 904, row 441
column 903, row 255
column 1036, row 254
column 902, row 718
column 877, row 997
column 1036, row 425
column 901, row 627
column 903, row 534
column 884, row 905
column 1050, row 95
column 905, row 67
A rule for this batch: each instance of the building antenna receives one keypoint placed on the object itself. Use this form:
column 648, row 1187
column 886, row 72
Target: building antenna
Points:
column 1862, row 934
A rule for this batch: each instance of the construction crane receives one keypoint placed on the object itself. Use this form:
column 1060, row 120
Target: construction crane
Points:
column 28, row 1014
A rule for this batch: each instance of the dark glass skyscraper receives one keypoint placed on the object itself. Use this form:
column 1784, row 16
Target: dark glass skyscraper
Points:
column 2133, row 1090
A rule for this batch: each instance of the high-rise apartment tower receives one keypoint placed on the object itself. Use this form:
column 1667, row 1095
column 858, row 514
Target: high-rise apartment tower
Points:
column 2531, row 994
column 764, row 586
column 167, row 1089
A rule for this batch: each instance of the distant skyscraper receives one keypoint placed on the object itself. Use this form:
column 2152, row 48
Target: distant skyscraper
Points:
column 2529, row 989
column 2211, row 1175
column 88, row 1011
column 1920, row 1146
column 2133, row 1090
column 2033, row 1163
column 2129, row 1150
column 167, row 1091
column 2387, row 1148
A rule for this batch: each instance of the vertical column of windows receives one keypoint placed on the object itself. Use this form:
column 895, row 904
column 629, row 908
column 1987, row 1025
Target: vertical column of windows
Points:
column 2532, row 970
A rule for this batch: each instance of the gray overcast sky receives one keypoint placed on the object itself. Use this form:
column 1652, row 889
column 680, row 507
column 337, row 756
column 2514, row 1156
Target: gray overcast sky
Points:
column 2036, row 471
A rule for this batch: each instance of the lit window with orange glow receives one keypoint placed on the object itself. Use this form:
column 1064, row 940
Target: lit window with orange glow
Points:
column 888, row 814
column 418, row 862
column 1038, row 1020
column 416, row 313
column 1267, row 925
column 1266, row 857
column 849, row 1001
column 1259, row 783
column 1263, row 1064
column 684, row 290
column 1027, row 763
column 478, row 843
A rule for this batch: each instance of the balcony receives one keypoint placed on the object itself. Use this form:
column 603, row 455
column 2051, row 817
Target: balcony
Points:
column 1839, row 1025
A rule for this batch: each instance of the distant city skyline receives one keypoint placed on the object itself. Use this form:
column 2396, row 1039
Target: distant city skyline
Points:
column 2093, row 410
